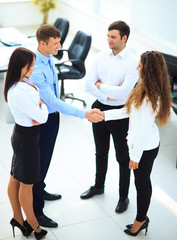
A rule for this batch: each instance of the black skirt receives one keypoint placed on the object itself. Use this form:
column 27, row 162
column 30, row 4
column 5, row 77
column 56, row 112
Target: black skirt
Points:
column 26, row 154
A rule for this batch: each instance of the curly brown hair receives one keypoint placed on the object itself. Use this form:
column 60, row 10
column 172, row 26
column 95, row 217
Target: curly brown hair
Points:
column 154, row 84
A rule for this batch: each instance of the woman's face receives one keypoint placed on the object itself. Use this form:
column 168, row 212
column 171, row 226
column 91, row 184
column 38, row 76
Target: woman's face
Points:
column 27, row 70
column 139, row 68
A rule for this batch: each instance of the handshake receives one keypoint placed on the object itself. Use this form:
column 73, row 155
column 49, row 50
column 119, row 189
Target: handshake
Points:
column 94, row 115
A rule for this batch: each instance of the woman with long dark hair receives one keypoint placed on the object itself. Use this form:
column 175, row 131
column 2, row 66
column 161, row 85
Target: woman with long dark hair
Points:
column 148, row 102
column 28, row 110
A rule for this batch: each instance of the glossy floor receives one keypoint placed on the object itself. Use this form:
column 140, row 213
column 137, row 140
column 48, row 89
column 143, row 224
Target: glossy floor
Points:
column 72, row 171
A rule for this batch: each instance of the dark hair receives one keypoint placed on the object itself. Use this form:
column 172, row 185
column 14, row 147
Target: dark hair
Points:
column 20, row 58
column 122, row 27
column 47, row 31
column 154, row 84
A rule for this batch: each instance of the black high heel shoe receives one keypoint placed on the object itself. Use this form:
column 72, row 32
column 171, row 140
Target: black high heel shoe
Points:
column 28, row 227
column 144, row 226
column 41, row 234
column 129, row 226
column 14, row 224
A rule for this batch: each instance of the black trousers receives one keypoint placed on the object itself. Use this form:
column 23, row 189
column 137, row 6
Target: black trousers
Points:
column 48, row 136
column 102, row 131
column 143, row 182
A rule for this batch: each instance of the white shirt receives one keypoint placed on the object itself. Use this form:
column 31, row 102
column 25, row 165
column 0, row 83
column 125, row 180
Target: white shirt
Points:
column 112, row 71
column 23, row 101
column 143, row 133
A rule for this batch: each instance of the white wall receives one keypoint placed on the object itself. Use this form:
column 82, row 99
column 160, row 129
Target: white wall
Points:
column 26, row 14
column 152, row 22
column 156, row 22
column 18, row 14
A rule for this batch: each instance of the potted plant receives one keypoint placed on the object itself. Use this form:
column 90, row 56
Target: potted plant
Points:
column 45, row 6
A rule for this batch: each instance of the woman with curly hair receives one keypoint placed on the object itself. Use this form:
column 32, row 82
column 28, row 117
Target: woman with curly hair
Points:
column 148, row 102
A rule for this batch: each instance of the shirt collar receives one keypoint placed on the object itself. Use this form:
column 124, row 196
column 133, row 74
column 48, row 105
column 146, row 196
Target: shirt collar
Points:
column 121, row 54
column 43, row 58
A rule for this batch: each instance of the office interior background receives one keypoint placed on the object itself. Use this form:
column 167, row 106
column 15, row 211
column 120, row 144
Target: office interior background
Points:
column 153, row 27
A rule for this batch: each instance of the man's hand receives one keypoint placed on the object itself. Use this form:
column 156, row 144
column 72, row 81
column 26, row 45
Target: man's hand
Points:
column 110, row 99
column 121, row 84
column 133, row 165
column 94, row 115
column 98, row 83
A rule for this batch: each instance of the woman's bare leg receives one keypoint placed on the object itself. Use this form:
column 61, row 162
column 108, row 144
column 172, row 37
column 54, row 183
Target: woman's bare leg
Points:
column 26, row 201
column 13, row 193
column 136, row 226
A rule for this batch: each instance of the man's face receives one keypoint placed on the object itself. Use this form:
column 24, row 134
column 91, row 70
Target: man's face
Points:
column 52, row 46
column 114, row 40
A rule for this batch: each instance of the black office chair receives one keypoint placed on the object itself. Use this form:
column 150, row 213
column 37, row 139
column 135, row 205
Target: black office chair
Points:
column 171, row 62
column 62, row 24
column 77, row 53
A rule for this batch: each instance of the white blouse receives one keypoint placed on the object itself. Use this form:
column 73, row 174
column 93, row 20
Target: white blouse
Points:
column 143, row 133
column 23, row 101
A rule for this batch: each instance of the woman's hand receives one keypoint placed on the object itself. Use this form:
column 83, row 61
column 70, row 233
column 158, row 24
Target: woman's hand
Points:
column 133, row 165
column 35, row 123
column 98, row 83
column 40, row 102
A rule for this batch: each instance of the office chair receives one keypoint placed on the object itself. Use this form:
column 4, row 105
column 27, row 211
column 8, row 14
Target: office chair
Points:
column 62, row 24
column 77, row 53
column 171, row 62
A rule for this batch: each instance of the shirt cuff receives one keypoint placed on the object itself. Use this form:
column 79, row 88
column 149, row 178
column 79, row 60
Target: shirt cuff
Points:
column 135, row 156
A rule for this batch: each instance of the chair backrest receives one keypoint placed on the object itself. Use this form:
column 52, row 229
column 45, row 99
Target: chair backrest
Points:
column 62, row 24
column 171, row 62
column 80, row 46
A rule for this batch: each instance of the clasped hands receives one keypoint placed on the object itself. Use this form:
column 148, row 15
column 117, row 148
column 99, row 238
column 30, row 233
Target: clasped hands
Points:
column 94, row 115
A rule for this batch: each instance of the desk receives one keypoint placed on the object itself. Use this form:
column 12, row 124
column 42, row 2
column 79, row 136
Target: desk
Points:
column 14, row 37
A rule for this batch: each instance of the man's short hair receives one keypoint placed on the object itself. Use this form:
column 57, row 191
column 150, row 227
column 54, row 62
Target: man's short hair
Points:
column 123, row 28
column 47, row 31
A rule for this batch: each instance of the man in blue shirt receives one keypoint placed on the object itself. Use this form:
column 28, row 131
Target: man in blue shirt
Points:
column 45, row 78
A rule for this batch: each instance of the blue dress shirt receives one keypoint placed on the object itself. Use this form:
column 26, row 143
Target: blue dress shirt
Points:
column 45, row 78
